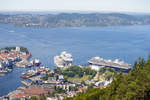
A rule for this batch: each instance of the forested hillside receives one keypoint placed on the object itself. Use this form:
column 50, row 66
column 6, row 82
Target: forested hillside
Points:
column 74, row 20
column 133, row 86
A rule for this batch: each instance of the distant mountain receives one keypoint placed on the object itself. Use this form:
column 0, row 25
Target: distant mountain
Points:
column 74, row 20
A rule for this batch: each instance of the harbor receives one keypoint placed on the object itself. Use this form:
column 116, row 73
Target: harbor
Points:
column 74, row 50
column 43, row 80
column 47, row 47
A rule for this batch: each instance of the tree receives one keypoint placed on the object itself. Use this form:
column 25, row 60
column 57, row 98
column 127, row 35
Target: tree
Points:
column 33, row 98
column 132, row 86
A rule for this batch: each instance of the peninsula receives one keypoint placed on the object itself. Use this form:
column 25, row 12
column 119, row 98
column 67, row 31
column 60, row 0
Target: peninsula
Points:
column 74, row 20
column 13, row 56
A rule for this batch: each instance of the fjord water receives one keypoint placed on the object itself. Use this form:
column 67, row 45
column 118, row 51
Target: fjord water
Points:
column 126, row 43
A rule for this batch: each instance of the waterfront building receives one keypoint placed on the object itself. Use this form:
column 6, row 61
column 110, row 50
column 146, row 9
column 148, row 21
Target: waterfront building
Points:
column 1, row 65
column 18, row 49
column 61, row 77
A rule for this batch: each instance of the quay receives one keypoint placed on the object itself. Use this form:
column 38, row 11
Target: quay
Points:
column 26, row 83
column 35, row 78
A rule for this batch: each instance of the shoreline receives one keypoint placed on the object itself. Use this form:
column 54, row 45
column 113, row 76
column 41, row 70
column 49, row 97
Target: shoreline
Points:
column 11, row 56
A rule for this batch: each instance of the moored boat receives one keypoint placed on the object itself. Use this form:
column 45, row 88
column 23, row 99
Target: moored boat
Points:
column 37, row 62
column 29, row 74
column 97, row 63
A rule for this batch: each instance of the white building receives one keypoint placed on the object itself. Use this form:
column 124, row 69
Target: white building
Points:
column 1, row 65
column 61, row 77
column 18, row 49
column 103, row 83
column 64, row 60
column 95, row 67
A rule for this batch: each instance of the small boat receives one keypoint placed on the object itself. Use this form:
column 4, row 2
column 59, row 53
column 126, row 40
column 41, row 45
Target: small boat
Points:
column 43, row 69
column 37, row 62
column 3, row 71
column 9, row 70
column 25, row 76
column 29, row 74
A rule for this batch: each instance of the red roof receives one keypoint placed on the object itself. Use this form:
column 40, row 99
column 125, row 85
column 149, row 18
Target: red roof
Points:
column 4, row 55
column 31, row 92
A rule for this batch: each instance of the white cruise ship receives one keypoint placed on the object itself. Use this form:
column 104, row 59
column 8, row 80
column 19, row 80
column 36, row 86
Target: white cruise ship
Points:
column 64, row 60
column 97, row 63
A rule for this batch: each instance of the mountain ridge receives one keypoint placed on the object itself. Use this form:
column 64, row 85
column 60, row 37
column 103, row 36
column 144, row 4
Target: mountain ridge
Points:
column 74, row 20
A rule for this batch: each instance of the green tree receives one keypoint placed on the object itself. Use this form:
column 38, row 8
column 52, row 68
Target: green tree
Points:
column 33, row 98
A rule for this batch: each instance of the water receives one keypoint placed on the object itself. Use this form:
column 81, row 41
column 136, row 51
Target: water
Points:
column 124, row 42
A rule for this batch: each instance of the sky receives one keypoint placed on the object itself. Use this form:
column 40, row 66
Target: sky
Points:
column 76, row 5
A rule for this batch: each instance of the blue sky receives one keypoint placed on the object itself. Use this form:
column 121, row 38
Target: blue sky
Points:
column 79, row 5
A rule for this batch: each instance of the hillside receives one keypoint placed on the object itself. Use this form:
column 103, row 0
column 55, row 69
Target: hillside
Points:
column 74, row 20
column 133, row 86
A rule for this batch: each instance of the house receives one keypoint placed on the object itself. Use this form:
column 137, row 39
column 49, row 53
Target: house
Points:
column 60, row 77
column 81, row 89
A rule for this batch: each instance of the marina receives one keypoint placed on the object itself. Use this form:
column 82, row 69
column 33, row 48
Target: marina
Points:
column 35, row 72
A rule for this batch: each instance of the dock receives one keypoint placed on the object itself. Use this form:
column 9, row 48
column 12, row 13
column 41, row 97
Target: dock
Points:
column 35, row 78
column 26, row 83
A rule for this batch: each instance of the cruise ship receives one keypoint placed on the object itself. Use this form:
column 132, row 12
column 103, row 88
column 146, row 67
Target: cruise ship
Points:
column 97, row 63
column 63, row 60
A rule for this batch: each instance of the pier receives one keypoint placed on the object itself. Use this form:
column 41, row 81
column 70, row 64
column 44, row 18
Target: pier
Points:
column 26, row 83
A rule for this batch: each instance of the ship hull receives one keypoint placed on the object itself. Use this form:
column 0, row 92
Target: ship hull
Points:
column 37, row 64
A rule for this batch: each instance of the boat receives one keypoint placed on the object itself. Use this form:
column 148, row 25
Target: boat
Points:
column 9, row 70
column 25, row 76
column 29, row 74
column 63, row 60
column 23, row 64
column 44, row 69
column 3, row 71
column 37, row 62
column 98, row 62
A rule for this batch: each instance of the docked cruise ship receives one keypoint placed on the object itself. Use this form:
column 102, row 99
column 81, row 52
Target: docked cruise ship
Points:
column 97, row 63
column 64, row 60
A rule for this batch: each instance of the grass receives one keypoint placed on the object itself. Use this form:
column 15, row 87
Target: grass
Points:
column 80, row 79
